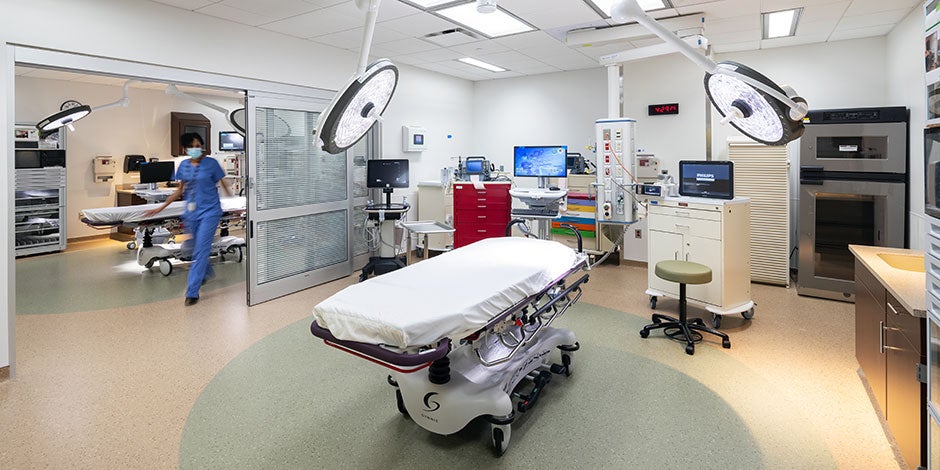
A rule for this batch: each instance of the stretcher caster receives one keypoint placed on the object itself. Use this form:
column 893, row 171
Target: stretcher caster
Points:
column 149, row 264
column 501, row 433
column 132, row 245
column 653, row 302
column 166, row 267
column 716, row 320
column 240, row 253
column 748, row 314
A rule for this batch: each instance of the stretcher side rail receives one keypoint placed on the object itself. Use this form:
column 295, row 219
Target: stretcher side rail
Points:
column 385, row 355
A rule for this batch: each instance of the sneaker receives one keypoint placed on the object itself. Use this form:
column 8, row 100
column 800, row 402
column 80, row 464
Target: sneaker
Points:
column 190, row 301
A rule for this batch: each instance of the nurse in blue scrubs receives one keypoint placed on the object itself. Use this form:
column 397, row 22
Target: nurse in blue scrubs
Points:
column 199, row 178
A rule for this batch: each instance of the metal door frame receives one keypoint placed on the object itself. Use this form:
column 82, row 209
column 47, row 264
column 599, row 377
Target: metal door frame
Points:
column 895, row 194
column 281, row 287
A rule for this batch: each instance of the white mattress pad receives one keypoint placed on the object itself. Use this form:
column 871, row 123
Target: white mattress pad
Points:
column 128, row 214
column 451, row 295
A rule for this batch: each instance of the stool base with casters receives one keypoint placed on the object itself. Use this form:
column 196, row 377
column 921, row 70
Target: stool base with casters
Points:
column 682, row 329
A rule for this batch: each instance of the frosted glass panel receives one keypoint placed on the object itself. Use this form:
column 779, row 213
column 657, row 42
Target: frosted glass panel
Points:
column 291, row 169
column 295, row 245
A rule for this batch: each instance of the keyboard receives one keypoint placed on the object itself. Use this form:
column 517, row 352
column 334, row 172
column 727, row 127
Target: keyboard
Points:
column 536, row 212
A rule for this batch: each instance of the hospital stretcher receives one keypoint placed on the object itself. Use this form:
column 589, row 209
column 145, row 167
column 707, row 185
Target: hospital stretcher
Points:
column 159, row 227
column 467, row 333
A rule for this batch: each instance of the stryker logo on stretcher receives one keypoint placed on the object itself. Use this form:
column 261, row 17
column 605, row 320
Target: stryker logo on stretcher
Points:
column 705, row 177
column 431, row 406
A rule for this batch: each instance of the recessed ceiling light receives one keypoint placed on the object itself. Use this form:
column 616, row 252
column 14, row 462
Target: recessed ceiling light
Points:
column 603, row 6
column 781, row 24
column 481, row 64
column 495, row 24
column 428, row 3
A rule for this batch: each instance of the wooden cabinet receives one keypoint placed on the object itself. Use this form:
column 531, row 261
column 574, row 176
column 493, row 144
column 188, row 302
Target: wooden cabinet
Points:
column 480, row 213
column 182, row 123
column 890, row 348
column 710, row 232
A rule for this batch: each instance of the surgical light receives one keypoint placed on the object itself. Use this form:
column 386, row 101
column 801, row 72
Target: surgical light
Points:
column 780, row 24
column 362, row 101
column 749, row 101
column 495, row 24
column 481, row 64
column 69, row 115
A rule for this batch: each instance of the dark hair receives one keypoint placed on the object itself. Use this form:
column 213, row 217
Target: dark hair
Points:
column 187, row 139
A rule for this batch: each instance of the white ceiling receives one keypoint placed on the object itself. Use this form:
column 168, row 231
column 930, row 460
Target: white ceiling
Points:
column 731, row 25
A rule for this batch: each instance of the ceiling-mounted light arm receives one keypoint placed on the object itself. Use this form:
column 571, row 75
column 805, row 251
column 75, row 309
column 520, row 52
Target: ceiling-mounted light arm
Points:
column 371, row 8
column 123, row 102
column 173, row 91
column 629, row 10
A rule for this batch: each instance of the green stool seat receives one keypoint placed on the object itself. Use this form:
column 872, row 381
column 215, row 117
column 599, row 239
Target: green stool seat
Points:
column 683, row 272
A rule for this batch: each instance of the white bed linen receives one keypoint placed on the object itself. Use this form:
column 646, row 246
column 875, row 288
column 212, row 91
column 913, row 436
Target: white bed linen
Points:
column 137, row 213
column 451, row 295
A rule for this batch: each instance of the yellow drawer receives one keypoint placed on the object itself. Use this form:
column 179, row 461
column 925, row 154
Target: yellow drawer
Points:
column 686, row 225
column 685, row 212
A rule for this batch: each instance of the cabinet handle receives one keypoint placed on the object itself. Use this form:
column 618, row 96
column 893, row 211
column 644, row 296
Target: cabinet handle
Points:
column 683, row 213
column 881, row 337
column 481, row 207
column 680, row 225
column 481, row 231
column 891, row 307
column 686, row 256
column 676, row 257
column 481, row 216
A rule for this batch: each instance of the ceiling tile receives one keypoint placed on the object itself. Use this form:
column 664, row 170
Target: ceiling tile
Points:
column 480, row 47
column 736, row 47
column 604, row 49
column 402, row 47
column 319, row 22
column 536, row 69
column 510, row 60
column 825, row 11
column 793, row 41
column 859, row 33
column 276, row 9
column 568, row 59
column 237, row 15
column 731, row 38
column 891, row 17
column 352, row 38
column 722, row 9
column 187, row 4
column 528, row 40
column 438, row 55
column 418, row 25
column 862, row 7
column 732, row 25
column 545, row 51
column 410, row 59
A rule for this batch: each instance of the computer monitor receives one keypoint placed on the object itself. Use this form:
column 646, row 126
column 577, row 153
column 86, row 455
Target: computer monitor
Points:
column 474, row 165
column 540, row 161
column 708, row 179
column 231, row 141
column 387, row 173
column 157, row 172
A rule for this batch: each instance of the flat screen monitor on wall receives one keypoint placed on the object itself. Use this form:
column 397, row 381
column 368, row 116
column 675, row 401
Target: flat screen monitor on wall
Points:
column 231, row 141
column 540, row 161
column 157, row 172
column 708, row 179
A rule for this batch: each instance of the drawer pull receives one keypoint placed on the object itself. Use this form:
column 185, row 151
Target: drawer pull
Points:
column 481, row 231
column 481, row 199
column 683, row 213
column 481, row 207
column 481, row 216
column 881, row 337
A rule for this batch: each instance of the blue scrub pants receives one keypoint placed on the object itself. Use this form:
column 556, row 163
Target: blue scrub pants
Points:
column 202, row 231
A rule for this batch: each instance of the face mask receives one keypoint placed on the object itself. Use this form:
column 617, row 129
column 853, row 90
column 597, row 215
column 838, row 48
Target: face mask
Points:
column 194, row 152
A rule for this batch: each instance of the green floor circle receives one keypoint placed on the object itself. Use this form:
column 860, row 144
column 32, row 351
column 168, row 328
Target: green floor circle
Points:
column 289, row 401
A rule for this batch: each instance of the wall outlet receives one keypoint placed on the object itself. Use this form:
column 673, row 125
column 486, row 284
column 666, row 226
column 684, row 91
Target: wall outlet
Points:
column 638, row 233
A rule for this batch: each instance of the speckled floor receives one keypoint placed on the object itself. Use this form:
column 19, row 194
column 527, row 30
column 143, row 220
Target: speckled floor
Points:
column 114, row 387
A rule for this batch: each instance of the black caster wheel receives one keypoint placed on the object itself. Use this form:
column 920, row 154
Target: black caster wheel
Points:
column 499, row 442
column 401, row 403
column 653, row 302
column 690, row 349
column 644, row 333
column 149, row 264
column 240, row 254
column 725, row 343
column 716, row 320
column 748, row 314
column 132, row 245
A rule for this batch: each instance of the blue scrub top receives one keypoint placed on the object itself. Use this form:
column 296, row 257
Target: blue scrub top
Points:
column 201, row 186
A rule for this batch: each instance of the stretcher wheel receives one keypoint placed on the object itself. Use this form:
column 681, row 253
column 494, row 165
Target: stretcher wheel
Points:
column 653, row 302
column 401, row 402
column 716, row 320
column 166, row 267
column 149, row 264
column 748, row 314
column 241, row 253
column 501, row 433
column 132, row 245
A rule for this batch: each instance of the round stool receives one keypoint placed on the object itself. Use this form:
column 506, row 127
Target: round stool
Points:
column 681, row 329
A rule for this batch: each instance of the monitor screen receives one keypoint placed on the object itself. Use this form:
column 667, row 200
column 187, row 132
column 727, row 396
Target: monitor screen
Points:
column 387, row 173
column 474, row 166
column 540, row 161
column 709, row 179
column 157, row 172
column 231, row 141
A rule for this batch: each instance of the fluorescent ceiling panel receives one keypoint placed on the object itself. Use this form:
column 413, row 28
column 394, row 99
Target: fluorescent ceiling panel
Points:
column 481, row 64
column 648, row 5
column 429, row 3
column 781, row 24
column 496, row 24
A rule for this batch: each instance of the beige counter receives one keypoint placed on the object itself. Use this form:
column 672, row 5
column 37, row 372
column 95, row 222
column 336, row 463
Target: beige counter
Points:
column 909, row 287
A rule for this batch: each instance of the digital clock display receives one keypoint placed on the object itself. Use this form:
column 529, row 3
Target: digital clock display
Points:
column 663, row 109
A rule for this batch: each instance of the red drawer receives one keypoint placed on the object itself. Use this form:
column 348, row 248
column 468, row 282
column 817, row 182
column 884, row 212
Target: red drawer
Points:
column 493, row 193
column 467, row 235
column 474, row 218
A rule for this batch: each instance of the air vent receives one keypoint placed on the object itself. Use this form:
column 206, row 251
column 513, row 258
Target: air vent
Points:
column 452, row 37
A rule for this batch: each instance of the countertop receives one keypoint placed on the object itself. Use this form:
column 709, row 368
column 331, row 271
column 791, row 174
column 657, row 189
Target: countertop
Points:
column 910, row 288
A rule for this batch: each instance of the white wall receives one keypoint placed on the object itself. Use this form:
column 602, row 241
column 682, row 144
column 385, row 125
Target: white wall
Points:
column 906, row 85
column 551, row 109
column 142, row 128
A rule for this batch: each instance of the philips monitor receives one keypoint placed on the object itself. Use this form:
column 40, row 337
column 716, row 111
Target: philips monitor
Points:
column 475, row 165
column 387, row 173
column 156, row 172
column 231, row 141
column 543, row 161
column 708, row 179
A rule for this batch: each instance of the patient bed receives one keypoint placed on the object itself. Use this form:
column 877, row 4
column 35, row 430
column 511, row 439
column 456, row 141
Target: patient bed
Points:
column 154, row 232
column 477, row 318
